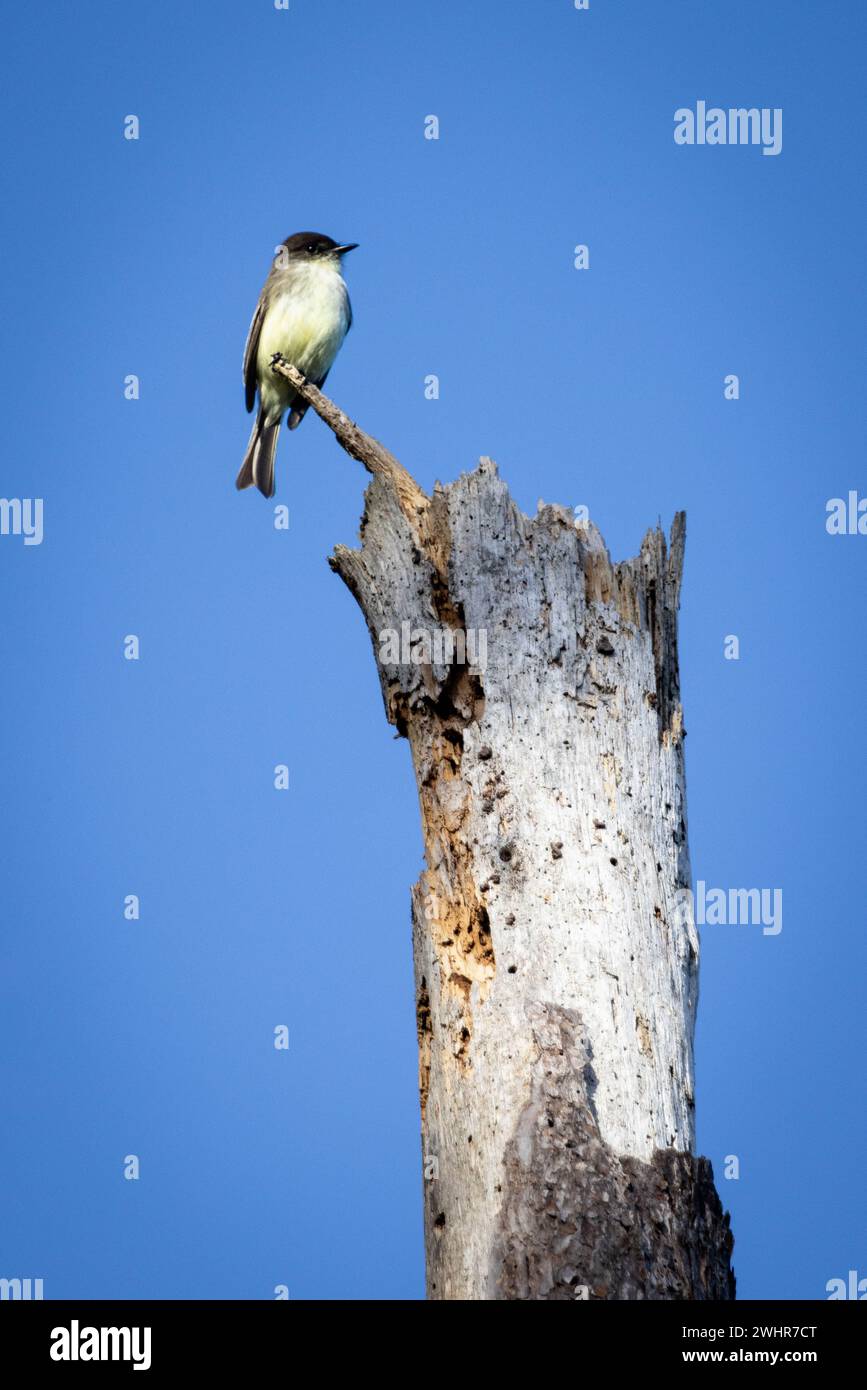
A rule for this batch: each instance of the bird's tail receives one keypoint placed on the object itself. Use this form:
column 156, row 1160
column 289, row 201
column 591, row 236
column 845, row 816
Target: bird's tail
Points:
column 258, row 466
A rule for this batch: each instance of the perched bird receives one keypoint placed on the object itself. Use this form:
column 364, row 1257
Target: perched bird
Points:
column 303, row 314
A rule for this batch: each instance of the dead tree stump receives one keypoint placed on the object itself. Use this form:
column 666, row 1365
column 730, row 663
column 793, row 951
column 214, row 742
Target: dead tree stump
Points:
column 556, row 978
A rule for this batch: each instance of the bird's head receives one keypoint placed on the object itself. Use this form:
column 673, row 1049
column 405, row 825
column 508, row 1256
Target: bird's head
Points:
column 313, row 246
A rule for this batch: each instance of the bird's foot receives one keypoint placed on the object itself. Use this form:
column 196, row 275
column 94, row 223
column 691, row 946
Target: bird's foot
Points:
column 278, row 360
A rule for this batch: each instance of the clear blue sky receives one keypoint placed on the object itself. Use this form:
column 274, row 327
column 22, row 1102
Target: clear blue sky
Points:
column 601, row 387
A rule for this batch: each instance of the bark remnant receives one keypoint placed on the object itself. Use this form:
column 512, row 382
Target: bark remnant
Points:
column 663, row 1234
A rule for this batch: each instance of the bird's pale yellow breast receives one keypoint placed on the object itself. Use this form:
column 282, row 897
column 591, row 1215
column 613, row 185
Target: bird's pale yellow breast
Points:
column 306, row 320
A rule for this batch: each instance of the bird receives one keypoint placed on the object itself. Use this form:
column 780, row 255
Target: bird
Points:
column 303, row 315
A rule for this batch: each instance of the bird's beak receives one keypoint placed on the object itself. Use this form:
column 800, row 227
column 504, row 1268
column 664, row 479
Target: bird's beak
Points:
column 342, row 250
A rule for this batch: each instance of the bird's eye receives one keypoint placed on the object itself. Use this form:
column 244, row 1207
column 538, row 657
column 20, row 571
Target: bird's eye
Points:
column 311, row 247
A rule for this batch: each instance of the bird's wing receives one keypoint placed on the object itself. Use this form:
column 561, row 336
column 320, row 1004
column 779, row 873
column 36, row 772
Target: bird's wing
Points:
column 250, row 350
column 348, row 311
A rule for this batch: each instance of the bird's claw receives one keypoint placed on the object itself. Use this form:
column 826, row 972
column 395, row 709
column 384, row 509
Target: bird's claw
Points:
column 277, row 358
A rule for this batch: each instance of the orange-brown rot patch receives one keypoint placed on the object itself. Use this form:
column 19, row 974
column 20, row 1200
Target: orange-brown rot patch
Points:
column 457, row 917
column 423, row 1028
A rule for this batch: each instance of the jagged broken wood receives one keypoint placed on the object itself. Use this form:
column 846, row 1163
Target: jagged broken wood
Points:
column 556, row 978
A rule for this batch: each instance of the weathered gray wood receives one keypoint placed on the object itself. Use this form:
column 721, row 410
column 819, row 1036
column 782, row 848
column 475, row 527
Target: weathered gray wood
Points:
column 556, row 981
